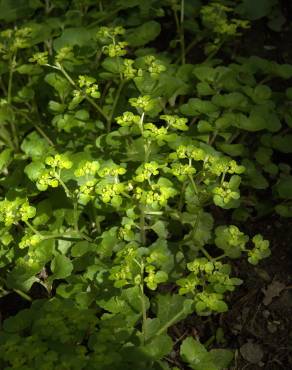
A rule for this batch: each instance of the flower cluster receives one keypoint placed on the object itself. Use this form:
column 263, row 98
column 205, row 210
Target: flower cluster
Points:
column 15, row 210
column 143, row 103
column 176, row 122
column 128, row 119
column 89, row 86
column 231, row 240
column 208, row 281
column 261, row 250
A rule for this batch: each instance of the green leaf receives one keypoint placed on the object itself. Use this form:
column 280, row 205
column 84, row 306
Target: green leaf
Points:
column 231, row 240
column 34, row 146
column 261, row 93
column 160, row 228
column 112, row 65
column 171, row 309
column 234, row 100
column 10, row 10
column 284, row 209
column 34, row 170
column 195, row 106
column 256, row 9
column 254, row 175
column 221, row 357
column 284, row 187
column 198, row 358
column 61, row 267
column 23, row 275
column 261, row 117
column 192, row 351
column 158, row 347
column 283, row 143
column 29, row 69
column 109, row 241
column 59, row 83
column 5, row 158
column 141, row 35
column 73, row 36
column 128, row 3
column 81, row 248
column 205, row 73
column 233, row 150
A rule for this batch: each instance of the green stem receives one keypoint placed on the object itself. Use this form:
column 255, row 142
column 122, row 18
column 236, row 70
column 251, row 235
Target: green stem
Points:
column 143, row 307
column 212, row 55
column 10, row 79
column 142, row 226
column 119, row 90
column 211, row 141
column 9, row 98
column 193, row 184
column 97, row 107
column 206, row 254
column 181, row 197
column 219, row 257
column 109, row 15
column 223, row 177
column 64, row 186
column 38, row 128
column 62, row 237
column 169, row 323
column 182, row 33
column 29, row 225
column 43, row 134
column 141, row 123
column 147, row 150
column 23, row 295
column 87, row 238
column 75, row 210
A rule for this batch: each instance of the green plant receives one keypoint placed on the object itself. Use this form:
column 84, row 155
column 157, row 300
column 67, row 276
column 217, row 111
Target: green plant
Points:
column 114, row 156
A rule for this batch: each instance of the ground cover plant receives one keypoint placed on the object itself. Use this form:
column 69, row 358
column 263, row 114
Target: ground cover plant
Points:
column 135, row 146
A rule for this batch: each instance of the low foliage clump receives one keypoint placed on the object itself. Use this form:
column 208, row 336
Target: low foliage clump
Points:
column 115, row 158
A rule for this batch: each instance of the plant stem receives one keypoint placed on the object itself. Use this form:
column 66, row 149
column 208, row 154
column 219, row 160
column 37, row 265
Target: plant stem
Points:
column 29, row 225
column 143, row 306
column 43, row 134
column 144, row 314
column 119, row 90
column 193, row 184
column 206, row 254
column 10, row 79
column 62, row 237
column 64, row 186
column 181, row 197
column 182, row 33
column 219, row 257
column 180, row 30
column 169, row 323
column 9, row 98
column 38, row 128
column 142, row 226
column 75, row 210
column 108, row 15
column 97, row 107
column 212, row 139
column 23, row 295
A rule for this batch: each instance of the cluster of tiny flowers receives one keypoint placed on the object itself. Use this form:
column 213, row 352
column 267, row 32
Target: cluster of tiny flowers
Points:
column 89, row 86
column 87, row 168
column 15, row 210
column 179, row 123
